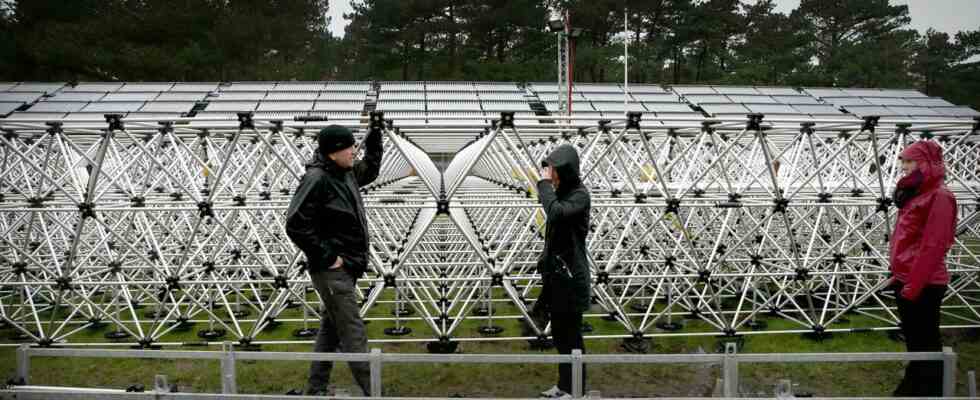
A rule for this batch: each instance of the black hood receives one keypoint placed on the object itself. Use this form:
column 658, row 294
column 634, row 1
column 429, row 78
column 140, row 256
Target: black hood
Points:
column 565, row 162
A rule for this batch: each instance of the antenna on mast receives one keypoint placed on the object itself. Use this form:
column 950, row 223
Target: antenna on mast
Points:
column 626, row 59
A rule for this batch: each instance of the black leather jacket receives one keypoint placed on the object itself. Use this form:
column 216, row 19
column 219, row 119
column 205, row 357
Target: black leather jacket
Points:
column 326, row 216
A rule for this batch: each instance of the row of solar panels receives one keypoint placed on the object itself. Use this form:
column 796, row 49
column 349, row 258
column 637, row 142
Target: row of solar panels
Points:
column 551, row 87
column 473, row 103
column 451, row 95
column 820, row 102
column 256, row 96
column 588, row 98
column 449, row 86
column 725, row 101
column 609, row 100
column 185, row 106
column 301, row 98
column 182, row 86
column 462, row 104
column 189, row 96
column 75, row 102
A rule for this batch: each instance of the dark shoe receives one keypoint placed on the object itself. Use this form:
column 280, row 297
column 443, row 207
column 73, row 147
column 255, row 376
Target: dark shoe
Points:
column 902, row 390
column 316, row 392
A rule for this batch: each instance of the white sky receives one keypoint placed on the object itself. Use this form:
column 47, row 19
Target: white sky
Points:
column 336, row 13
column 948, row 16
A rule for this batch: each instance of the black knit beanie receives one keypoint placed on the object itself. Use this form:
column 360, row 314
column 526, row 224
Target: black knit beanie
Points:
column 334, row 138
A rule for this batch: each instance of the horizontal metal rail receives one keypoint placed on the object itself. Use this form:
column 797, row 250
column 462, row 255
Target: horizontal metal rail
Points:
column 729, row 361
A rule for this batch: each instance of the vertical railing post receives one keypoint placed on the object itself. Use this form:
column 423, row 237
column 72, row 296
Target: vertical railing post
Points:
column 730, row 370
column 24, row 364
column 971, row 384
column 949, row 372
column 375, row 372
column 228, row 384
column 577, row 373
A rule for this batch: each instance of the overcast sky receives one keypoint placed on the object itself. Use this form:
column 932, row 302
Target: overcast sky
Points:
column 950, row 16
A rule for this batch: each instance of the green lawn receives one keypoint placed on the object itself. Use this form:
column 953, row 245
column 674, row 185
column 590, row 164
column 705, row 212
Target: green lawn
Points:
column 830, row 379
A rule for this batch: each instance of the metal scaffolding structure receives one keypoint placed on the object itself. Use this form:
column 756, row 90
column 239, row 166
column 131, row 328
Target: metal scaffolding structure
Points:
column 151, row 225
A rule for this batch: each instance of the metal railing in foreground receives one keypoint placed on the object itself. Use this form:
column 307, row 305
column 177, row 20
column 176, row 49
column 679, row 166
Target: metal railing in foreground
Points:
column 228, row 357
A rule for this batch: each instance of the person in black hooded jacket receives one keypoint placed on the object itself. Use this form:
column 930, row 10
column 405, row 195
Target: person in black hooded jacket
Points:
column 326, row 220
column 564, row 265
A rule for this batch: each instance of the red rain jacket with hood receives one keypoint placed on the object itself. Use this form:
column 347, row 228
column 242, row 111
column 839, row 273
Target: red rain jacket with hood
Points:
column 926, row 225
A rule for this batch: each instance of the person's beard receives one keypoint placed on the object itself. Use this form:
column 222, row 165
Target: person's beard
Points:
column 907, row 188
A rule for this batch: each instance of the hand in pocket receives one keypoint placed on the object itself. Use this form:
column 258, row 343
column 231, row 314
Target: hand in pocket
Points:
column 562, row 268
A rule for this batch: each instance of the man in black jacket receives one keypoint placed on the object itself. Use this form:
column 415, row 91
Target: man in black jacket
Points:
column 326, row 220
column 564, row 265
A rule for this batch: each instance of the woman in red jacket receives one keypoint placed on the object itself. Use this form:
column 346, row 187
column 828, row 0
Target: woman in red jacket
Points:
column 923, row 235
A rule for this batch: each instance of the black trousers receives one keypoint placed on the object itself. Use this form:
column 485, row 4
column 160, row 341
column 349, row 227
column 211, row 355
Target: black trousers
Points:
column 341, row 328
column 920, row 325
column 566, row 329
